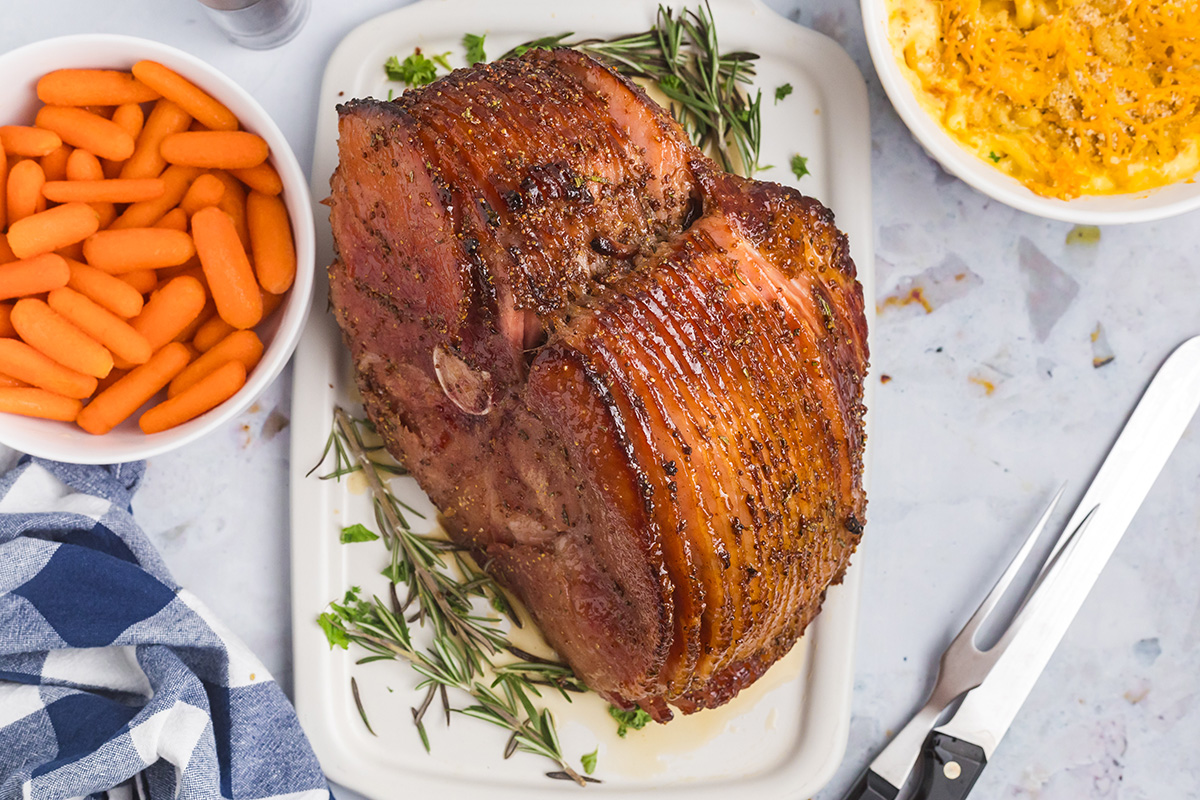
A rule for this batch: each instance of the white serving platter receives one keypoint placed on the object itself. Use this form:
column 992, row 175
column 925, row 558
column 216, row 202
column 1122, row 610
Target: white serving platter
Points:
column 783, row 737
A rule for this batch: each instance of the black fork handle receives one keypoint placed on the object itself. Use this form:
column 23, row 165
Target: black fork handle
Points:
column 951, row 767
column 870, row 786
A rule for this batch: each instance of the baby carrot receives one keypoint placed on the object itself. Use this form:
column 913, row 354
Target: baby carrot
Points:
column 147, row 162
column 117, row 251
column 54, row 163
column 191, row 98
column 230, row 278
column 205, row 395
column 271, row 242
column 109, row 379
column 45, row 330
column 52, row 229
column 92, row 87
column 270, row 303
column 187, row 334
column 130, row 118
column 79, row 128
column 213, row 330
column 215, row 149
column 11, row 383
column 6, row 328
column 25, row 181
column 117, row 190
column 117, row 402
column 143, row 281
column 74, row 252
column 206, row 190
column 20, row 361
column 233, row 203
column 169, row 311
column 33, row 276
column 211, row 333
column 146, row 213
column 6, row 253
column 243, row 346
column 4, row 187
column 26, row 140
column 175, row 219
column 31, row 402
column 106, row 290
column 262, row 178
column 105, row 327
column 83, row 166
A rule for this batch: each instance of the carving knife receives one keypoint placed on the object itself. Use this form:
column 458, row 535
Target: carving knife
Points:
column 955, row 753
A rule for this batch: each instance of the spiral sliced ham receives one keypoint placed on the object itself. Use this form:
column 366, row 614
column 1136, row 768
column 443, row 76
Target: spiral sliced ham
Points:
column 631, row 383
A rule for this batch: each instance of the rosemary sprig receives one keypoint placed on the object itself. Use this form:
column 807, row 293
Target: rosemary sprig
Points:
column 682, row 56
column 464, row 643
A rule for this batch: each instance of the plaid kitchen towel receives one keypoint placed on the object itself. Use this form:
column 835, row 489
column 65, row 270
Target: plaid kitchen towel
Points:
column 114, row 681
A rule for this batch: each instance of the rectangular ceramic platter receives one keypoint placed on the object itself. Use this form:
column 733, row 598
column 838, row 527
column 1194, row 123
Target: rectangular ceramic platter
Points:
column 781, row 738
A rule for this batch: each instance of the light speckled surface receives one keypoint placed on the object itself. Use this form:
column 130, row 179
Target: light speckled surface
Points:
column 959, row 472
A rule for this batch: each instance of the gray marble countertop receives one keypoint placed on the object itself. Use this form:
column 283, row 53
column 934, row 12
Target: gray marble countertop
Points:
column 988, row 400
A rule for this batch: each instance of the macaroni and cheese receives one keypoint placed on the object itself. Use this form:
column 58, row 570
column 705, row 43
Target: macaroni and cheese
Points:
column 1070, row 97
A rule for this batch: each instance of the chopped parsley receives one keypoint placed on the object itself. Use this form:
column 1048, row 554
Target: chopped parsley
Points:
column 800, row 166
column 334, row 633
column 474, row 45
column 782, row 91
column 358, row 533
column 635, row 719
column 589, row 761
column 417, row 69
column 994, row 157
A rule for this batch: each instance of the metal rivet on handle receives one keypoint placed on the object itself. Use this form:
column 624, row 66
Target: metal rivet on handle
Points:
column 952, row 770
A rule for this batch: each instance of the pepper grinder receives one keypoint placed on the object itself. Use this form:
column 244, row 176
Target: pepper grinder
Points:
column 258, row 24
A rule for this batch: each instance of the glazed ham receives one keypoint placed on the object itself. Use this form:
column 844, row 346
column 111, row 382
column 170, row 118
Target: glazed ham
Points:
column 631, row 383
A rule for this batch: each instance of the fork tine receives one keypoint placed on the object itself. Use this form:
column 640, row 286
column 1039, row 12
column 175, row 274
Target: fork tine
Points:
column 1010, row 572
column 1049, row 573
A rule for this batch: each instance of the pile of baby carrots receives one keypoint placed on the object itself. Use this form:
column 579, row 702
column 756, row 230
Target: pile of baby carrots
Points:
column 142, row 238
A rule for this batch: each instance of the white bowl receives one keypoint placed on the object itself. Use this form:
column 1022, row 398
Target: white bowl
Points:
column 64, row 441
column 1144, row 206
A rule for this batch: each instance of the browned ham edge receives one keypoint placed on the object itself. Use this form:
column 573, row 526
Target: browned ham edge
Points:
column 632, row 384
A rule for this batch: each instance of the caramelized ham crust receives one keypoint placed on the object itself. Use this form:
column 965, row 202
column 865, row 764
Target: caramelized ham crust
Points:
column 631, row 383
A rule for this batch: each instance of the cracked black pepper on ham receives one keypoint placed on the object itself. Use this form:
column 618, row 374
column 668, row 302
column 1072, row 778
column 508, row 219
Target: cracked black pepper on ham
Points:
column 631, row 383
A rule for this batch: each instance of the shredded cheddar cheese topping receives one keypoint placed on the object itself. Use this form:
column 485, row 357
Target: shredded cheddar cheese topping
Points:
column 1070, row 97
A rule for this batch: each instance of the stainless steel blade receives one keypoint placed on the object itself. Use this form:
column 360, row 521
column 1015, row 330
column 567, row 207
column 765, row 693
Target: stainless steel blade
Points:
column 1117, row 491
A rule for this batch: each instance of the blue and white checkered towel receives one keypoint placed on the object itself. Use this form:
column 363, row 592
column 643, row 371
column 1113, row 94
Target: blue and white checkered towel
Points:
column 114, row 681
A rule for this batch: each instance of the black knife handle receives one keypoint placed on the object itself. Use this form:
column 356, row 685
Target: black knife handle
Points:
column 951, row 767
column 870, row 786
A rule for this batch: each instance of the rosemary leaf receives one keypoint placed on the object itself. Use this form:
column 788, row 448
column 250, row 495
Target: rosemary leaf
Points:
column 362, row 712
column 682, row 56
column 463, row 640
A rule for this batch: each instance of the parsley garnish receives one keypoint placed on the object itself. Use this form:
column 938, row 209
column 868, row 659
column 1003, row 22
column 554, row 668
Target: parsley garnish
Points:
column 995, row 158
column 474, row 45
column 417, row 69
column 782, row 91
column 358, row 533
column 800, row 166
column 635, row 719
column 589, row 761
